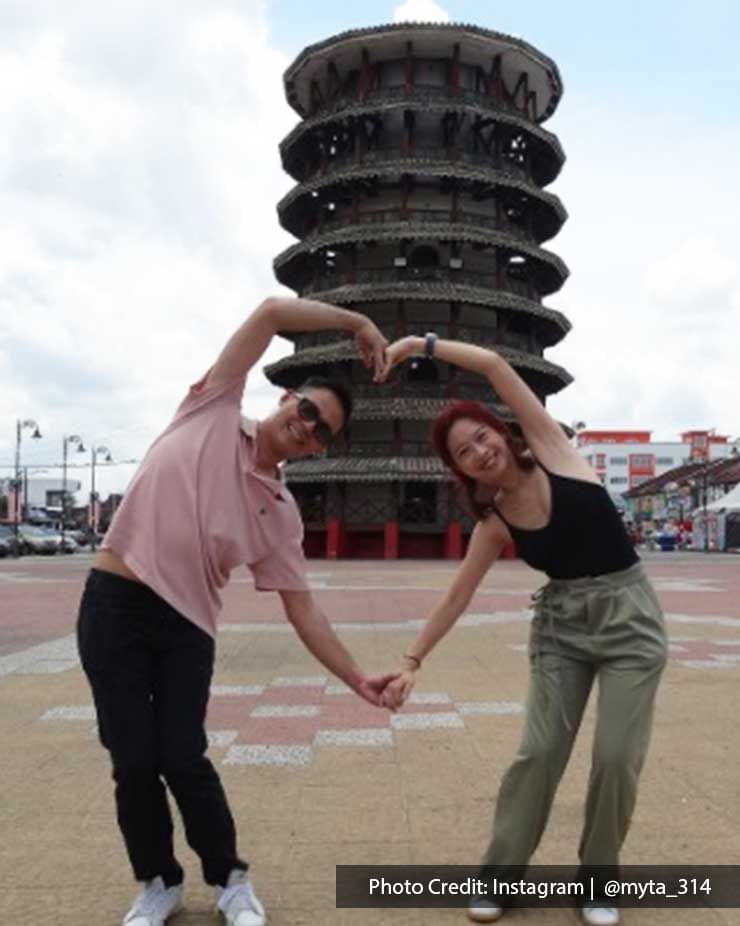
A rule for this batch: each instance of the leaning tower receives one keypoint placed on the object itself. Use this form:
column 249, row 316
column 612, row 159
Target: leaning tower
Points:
column 420, row 166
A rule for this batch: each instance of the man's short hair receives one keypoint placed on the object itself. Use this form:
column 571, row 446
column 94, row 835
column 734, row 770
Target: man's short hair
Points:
column 339, row 389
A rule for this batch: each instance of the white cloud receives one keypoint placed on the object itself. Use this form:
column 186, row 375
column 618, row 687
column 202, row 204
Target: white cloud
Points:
column 694, row 275
column 654, row 295
column 139, row 172
column 423, row 11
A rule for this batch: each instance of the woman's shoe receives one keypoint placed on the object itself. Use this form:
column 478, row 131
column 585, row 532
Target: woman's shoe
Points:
column 482, row 910
column 600, row 915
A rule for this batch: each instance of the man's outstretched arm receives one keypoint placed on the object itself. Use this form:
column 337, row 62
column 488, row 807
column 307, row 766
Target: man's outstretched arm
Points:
column 276, row 314
column 319, row 638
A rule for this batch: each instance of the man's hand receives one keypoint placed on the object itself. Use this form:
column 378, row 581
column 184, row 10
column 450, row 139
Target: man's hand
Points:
column 319, row 638
column 397, row 691
column 371, row 346
column 398, row 352
column 372, row 688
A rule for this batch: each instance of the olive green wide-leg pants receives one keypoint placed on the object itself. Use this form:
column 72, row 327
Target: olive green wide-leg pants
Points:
column 609, row 628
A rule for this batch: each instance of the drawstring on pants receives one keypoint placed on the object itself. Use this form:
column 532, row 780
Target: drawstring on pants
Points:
column 542, row 598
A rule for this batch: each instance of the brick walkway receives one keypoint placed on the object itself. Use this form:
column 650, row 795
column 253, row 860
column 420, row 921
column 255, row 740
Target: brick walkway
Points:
column 317, row 778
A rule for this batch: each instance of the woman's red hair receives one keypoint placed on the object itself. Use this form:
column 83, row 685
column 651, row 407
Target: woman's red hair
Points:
column 475, row 412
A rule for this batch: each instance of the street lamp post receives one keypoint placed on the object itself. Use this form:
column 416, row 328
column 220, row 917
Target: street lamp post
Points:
column 700, row 483
column 93, row 494
column 66, row 440
column 704, row 492
column 19, row 426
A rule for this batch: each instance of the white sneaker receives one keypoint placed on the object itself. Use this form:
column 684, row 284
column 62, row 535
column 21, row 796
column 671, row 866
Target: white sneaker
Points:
column 482, row 910
column 154, row 904
column 238, row 902
column 600, row 916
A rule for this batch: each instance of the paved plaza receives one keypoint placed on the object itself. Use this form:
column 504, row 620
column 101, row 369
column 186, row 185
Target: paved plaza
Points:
column 318, row 778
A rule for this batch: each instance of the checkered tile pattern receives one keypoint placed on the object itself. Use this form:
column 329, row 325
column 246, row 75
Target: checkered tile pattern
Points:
column 285, row 722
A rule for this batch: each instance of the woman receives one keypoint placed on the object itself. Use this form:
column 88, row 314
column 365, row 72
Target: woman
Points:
column 597, row 617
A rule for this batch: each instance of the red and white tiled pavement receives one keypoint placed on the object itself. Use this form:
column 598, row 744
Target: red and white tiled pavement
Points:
column 316, row 777
column 261, row 714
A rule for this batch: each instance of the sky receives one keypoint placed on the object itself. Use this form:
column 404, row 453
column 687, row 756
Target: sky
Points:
column 139, row 174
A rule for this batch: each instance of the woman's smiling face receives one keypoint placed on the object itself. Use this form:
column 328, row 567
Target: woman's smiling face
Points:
column 479, row 451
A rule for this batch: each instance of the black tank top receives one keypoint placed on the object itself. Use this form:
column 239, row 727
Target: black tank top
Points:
column 584, row 537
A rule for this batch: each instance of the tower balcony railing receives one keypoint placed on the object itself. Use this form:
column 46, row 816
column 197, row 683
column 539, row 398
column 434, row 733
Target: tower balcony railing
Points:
column 478, row 278
column 369, row 449
column 399, row 388
column 418, row 154
column 405, row 390
column 368, row 512
column 432, row 216
column 484, row 335
column 376, row 448
column 375, row 512
column 317, row 338
column 424, row 93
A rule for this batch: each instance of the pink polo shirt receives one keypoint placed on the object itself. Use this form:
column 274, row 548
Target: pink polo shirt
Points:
column 196, row 509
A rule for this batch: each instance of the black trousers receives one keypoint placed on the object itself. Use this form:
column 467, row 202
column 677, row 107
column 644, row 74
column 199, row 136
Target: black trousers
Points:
column 150, row 671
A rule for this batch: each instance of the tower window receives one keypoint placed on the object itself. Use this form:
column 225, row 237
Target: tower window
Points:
column 419, row 504
column 423, row 260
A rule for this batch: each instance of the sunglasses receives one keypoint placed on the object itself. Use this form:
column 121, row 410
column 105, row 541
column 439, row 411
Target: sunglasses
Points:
column 309, row 412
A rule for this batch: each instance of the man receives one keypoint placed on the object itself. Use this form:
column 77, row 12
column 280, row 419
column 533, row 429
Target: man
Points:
column 208, row 497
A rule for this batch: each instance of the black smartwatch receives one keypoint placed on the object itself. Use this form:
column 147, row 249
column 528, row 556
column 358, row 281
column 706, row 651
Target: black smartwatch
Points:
column 430, row 339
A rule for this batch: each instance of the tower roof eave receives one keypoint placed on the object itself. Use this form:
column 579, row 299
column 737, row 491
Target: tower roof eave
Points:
column 345, row 108
column 410, row 408
column 398, row 231
column 322, row 354
column 361, row 469
column 428, row 167
column 433, row 291
column 430, row 39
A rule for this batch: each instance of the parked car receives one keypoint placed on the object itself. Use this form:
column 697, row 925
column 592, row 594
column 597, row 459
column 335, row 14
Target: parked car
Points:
column 84, row 536
column 69, row 545
column 38, row 540
column 9, row 546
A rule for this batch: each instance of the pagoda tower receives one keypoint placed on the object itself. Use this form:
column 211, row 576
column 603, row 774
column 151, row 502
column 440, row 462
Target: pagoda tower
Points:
column 420, row 166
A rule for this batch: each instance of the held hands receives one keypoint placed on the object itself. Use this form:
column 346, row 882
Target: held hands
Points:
column 381, row 357
column 397, row 691
column 371, row 346
column 389, row 690
column 378, row 355
column 398, row 352
column 372, row 687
